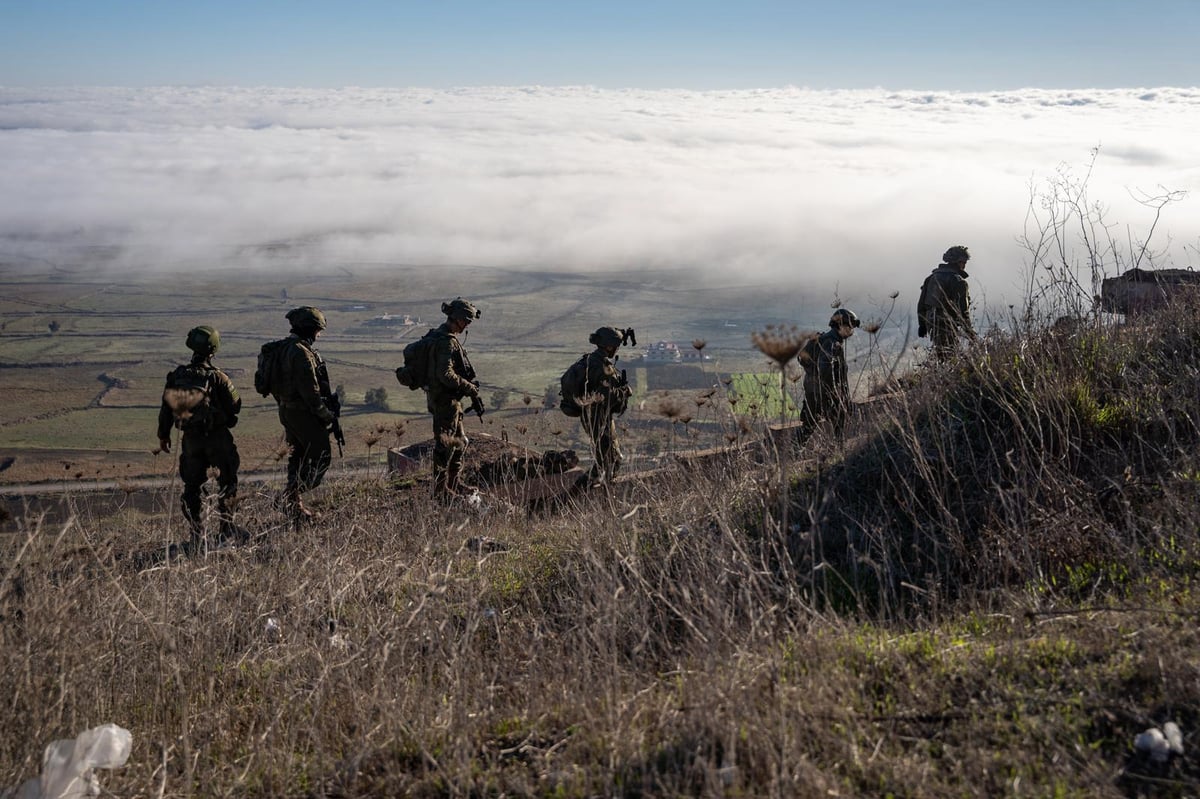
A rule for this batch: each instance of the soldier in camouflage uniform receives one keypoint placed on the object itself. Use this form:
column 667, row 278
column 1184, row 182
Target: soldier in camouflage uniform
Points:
column 451, row 380
column 826, row 379
column 605, row 395
column 307, row 410
column 201, row 401
column 944, row 307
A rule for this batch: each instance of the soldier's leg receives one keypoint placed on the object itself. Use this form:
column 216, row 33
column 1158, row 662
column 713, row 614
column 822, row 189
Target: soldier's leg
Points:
column 447, row 451
column 227, row 461
column 592, row 422
column 945, row 342
column 458, row 451
column 610, row 455
column 810, row 417
column 193, row 470
column 303, row 462
column 318, row 455
column 837, row 415
column 295, row 445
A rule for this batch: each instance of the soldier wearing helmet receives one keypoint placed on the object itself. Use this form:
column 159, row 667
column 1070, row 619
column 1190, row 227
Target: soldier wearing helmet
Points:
column 451, row 380
column 826, row 378
column 308, row 410
column 944, row 307
column 201, row 401
column 604, row 394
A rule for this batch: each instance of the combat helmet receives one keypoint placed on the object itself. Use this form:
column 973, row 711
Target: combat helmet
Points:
column 306, row 318
column 844, row 316
column 458, row 308
column 956, row 255
column 609, row 336
column 203, row 340
column 606, row 337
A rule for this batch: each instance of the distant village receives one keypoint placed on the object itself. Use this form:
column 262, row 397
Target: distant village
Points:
column 658, row 353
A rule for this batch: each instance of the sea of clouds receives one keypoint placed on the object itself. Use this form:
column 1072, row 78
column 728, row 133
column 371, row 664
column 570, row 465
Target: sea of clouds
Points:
column 863, row 187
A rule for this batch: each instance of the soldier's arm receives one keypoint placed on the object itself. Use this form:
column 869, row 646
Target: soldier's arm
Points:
column 965, row 312
column 166, row 419
column 443, row 369
column 228, row 399
column 303, row 369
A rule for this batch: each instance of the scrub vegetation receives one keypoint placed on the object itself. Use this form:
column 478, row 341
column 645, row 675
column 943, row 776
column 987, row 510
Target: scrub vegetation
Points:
column 989, row 591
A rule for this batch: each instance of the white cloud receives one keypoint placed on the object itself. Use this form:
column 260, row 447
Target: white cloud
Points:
column 851, row 186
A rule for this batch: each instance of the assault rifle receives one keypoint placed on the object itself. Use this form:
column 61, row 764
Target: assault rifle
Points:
column 477, row 406
column 334, row 404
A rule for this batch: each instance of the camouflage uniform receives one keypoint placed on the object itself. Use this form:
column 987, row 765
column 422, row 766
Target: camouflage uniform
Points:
column 826, row 379
column 944, row 307
column 206, row 442
column 304, row 414
column 605, row 396
column 451, row 379
column 306, row 410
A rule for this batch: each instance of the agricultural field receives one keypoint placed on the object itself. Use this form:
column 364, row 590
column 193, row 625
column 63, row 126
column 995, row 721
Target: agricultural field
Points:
column 84, row 350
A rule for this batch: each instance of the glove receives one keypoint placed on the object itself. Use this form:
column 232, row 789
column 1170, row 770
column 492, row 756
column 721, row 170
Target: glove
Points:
column 921, row 331
column 164, row 444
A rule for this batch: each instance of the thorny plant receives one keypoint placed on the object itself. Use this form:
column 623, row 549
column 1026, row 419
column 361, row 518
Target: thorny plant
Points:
column 665, row 641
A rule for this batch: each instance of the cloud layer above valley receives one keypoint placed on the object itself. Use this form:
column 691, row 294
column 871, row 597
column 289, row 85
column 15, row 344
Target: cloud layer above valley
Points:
column 857, row 187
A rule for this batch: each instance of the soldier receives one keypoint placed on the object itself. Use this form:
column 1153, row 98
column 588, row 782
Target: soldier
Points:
column 308, row 410
column 826, row 381
column 944, row 307
column 605, row 394
column 451, row 379
column 201, row 401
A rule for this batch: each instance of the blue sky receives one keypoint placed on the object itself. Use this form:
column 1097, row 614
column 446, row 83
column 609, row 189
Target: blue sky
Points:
column 924, row 44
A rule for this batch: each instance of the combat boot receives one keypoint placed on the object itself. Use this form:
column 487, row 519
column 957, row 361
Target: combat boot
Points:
column 293, row 506
column 191, row 514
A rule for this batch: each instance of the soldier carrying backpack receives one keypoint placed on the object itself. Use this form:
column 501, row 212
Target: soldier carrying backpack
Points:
column 944, row 307
column 448, row 378
column 826, row 379
column 293, row 372
column 594, row 391
column 201, row 401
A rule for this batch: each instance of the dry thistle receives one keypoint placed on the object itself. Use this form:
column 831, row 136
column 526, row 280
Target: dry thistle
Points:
column 282, row 452
column 670, row 409
column 894, row 295
column 526, row 399
column 779, row 344
column 371, row 439
column 699, row 344
column 872, row 327
column 708, row 392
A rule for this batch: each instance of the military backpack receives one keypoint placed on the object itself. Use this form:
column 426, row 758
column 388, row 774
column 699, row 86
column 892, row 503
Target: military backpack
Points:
column 268, row 377
column 414, row 373
column 189, row 396
column 572, row 386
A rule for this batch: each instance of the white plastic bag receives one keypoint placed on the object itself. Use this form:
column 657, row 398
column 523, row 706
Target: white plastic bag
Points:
column 67, row 764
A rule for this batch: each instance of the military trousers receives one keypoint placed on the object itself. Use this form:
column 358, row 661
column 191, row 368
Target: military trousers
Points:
column 311, row 453
column 601, row 428
column 823, row 402
column 199, row 452
column 449, row 441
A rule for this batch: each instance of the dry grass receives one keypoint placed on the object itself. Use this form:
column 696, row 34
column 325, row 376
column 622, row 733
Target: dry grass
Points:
column 991, row 594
